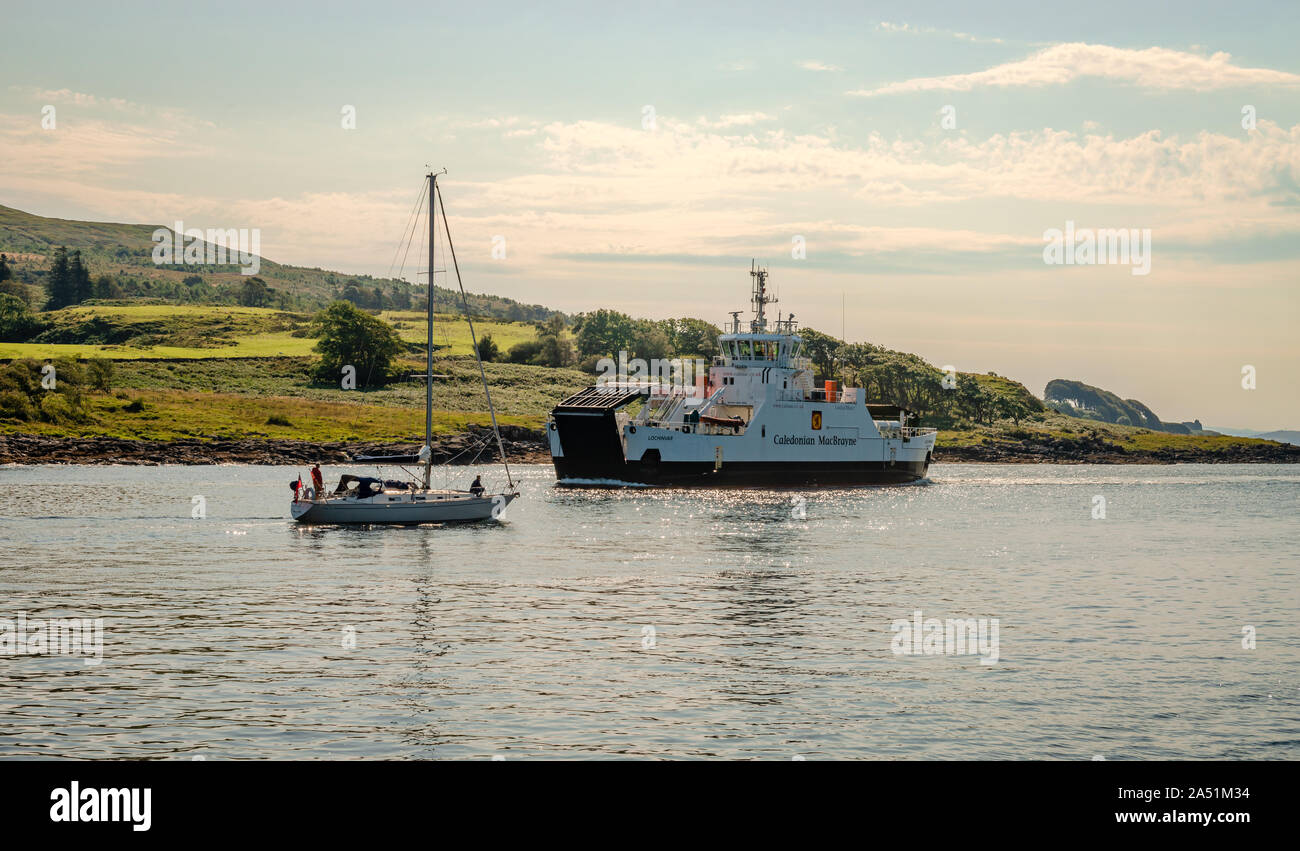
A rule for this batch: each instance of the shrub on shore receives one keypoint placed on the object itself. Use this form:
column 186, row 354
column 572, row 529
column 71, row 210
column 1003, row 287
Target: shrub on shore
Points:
column 49, row 392
column 18, row 323
column 350, row 337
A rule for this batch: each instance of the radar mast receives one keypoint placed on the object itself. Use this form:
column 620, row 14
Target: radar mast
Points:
column 760, row 298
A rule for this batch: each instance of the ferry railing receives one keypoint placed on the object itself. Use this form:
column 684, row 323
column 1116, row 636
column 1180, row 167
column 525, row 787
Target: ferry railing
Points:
column 844, row 396
column 700, row 427
column 891, row 432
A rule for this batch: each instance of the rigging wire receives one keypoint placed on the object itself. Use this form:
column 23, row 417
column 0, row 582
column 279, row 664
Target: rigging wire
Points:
column 408, row 245
column 411, row 220
column 472, row 336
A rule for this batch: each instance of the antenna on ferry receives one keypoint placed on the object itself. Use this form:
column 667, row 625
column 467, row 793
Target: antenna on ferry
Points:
column 760, row 297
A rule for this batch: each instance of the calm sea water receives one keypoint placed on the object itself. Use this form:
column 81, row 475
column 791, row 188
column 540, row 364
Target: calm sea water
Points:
column 661, row 623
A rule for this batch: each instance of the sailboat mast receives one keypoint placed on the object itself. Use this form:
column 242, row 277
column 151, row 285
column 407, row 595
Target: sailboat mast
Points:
column 428, row 362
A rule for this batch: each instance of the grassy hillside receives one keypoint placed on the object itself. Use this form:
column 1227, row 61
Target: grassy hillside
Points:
column 172, row 415
column 125, row 251
column 274, row 397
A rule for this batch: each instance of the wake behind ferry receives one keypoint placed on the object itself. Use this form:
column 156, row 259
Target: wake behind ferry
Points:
column 757, row 419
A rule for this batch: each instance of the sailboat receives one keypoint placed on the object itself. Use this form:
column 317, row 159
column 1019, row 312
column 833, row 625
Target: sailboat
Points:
column 363, row 499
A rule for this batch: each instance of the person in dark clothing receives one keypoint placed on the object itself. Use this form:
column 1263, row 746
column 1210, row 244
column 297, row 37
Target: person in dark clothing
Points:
column 477, row 487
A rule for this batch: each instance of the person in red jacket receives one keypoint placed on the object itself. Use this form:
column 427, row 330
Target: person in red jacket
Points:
column 317, row 481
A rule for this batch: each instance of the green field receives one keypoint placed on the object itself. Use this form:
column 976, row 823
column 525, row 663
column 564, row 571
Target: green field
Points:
column 183, row 332
column 174, row 414
column 525, row 391
column 451, row 331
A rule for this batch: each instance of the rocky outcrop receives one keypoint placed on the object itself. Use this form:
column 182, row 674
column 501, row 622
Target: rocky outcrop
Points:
column 1076, row 399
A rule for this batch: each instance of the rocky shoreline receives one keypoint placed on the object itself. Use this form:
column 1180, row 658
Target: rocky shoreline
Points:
column 524, row 446
column 1046, row 453
column 528, row 446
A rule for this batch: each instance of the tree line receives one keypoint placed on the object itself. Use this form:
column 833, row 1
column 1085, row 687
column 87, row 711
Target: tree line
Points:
column 906, row 380
column 588, row 337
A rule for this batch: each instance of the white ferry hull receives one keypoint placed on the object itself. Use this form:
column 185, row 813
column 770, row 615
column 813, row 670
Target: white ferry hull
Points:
column 741, row 474
column 778, row 447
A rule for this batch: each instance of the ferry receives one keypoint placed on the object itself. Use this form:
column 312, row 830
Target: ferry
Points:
column 756, row 417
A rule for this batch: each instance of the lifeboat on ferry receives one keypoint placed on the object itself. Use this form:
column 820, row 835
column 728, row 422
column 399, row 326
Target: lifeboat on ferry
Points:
column 733, row 423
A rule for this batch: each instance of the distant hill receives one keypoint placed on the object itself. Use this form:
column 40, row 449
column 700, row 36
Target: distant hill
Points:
column 1280, row 435
column 1077, row 399
column 125, row 253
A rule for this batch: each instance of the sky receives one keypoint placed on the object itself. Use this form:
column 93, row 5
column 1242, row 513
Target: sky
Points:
column 899, row 167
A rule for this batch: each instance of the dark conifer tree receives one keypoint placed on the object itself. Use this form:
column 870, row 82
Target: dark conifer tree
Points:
column 79, row 276
column 58, row 283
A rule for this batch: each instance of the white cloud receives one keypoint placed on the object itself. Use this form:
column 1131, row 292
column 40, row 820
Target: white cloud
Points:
column 80, row 144
column 814, row 65
column 490, row 123
column 737, row 119
column 888, row 27
column 693, row 188
column 1153, row 67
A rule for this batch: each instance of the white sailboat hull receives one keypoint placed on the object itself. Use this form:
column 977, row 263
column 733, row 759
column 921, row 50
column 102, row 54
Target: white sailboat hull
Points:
column 403, row 509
